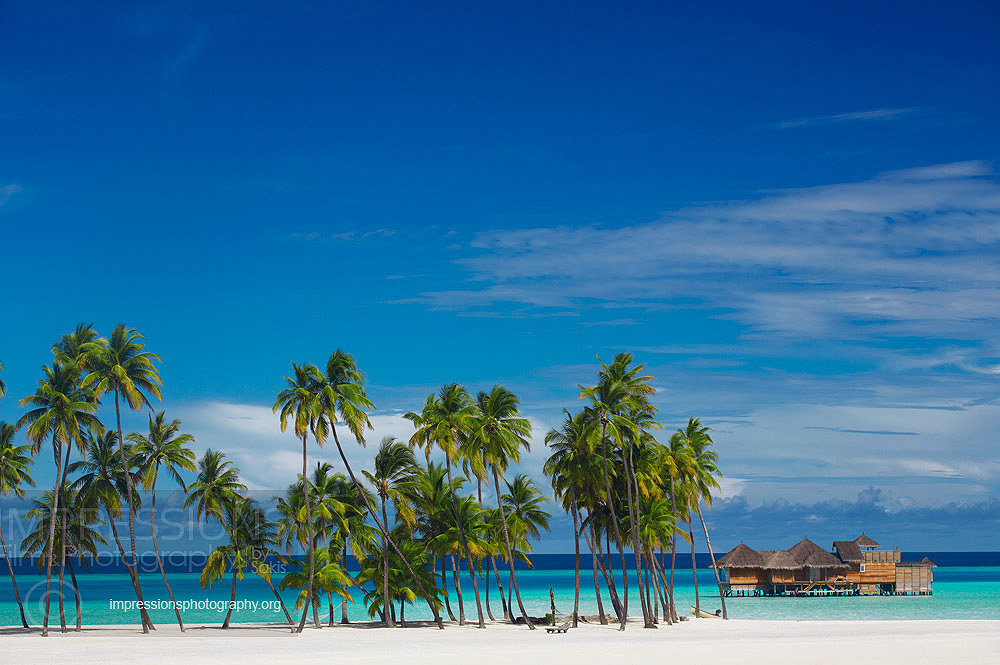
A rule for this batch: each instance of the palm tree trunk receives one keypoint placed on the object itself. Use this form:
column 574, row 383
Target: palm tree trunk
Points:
column 673, row 549
column 76, row 593
column 147, row 624
column 510, row 552
column 465, row 546
column 156, row 549
column 486, row 580
column 694, row 566
column 232, row 600
column 667, row 615
column 57, row 450
column 277, row 595
column 385, row 572
column 503, row 598
column 124, row 558
column 392, row 543
column 576, row 572
column 62, row 539
column 623, row 617
column 609, row 577
column 62, row 595
column 444, row 587
column 13, row 580
column 636, row 545
column 711, row 554
column 597, row 586
column 310, row 544
column 402, row 613
column 343, row 602
column 457, row 583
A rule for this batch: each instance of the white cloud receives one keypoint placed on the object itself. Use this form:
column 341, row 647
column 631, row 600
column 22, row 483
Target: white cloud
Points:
column 8, row 191
column 906, row 252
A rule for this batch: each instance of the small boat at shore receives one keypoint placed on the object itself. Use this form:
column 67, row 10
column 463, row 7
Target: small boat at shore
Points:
column 702, row 614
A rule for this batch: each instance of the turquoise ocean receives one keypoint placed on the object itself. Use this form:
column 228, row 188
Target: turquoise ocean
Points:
column 960, row 592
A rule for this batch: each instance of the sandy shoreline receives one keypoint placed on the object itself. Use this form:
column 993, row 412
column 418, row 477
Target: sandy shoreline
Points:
column 704, row 641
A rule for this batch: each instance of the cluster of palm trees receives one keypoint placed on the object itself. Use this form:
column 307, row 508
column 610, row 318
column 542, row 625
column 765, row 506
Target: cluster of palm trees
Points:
column 624, row 487
column 399, row 519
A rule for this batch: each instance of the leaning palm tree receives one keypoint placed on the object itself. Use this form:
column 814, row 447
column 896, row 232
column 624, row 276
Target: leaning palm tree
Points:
column 344, row 400
column 300, row 402
column 500, row 432
column 14, row 475
column 445, row 421
column 63, row 409
column 394, row 475
column 701, row 480
column 162, row 446
column 122, row 366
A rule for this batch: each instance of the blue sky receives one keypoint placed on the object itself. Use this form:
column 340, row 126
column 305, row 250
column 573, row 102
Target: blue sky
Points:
column 790, row 212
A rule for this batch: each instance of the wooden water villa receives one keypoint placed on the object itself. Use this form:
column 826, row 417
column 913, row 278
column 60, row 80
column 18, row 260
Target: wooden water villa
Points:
column 853, row 568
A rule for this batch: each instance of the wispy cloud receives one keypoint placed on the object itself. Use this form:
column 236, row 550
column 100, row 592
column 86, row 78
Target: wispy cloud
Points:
column 855, row 116
column 178, row 63
column 909, row 252
column 353, row 235
column 8, row 191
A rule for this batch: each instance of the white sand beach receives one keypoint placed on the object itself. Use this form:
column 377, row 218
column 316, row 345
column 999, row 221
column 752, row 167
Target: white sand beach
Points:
column 701, row 641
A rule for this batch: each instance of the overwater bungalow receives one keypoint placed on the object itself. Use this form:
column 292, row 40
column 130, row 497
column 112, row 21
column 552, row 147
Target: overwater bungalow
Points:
column 853, row 567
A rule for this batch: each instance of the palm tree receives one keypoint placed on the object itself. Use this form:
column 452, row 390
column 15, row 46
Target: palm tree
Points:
column 122, row 366
column 445, row 421
column 701, row 479
column 393, row 479
column 570, row 450
column 329, row 576
column 162, row 446
column 300, row 401
column 679, row 463
column 217, row 484
column 344, row 400
column 399, row 584
column 64, row 410
column 77, row 538
column 14, row 475
column 250, row 533
column 620, row 393
column 433, row 513
column 501, row 432
column 104, row 484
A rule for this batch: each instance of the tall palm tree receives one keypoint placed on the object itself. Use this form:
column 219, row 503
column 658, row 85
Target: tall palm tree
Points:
column 344, row 400
column 445, row 421
column 433, row 513
column 104, row 484
column 566, row 466
column 300, row 402
column 14, row 475
column 65, row 410
column 621, row 392
column 122, row 366
column 702, row 481
column 162, row 446
column 249, row 532
column 393, row 479
column 500, row 431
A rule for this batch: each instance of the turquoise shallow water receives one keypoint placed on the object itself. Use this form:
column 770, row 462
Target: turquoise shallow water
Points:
column 959, row 593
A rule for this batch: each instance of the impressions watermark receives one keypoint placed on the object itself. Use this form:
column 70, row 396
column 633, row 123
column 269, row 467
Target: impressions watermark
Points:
column 203, row 604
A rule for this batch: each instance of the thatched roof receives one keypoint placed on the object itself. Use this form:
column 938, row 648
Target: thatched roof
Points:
column 809, row 554
column 779, row 560
column 865, row 541
column 741, row 556
column 923, row 563
column 848, row 551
